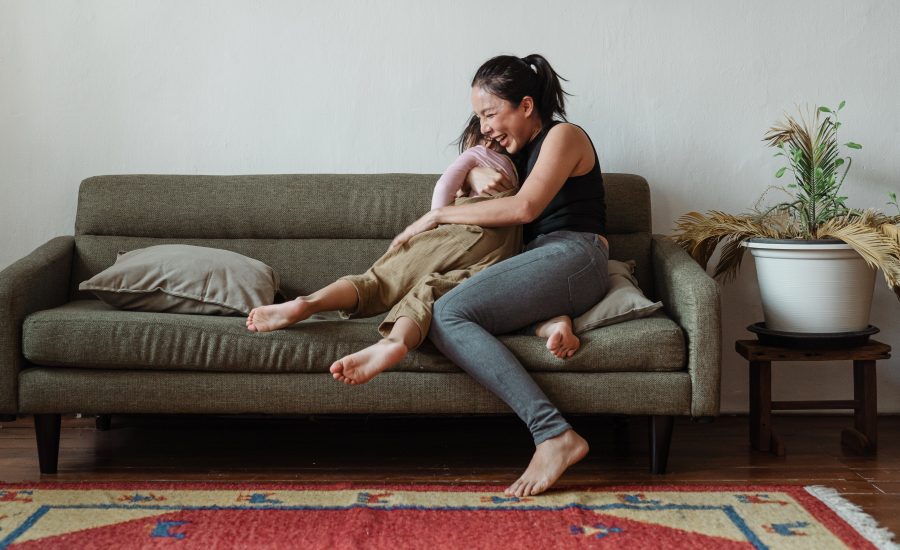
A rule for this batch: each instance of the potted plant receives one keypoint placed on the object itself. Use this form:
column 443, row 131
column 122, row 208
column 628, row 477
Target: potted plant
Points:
column 815, row 256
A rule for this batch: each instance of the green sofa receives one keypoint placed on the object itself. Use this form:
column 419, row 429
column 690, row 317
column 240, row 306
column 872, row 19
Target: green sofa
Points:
column 63, row 351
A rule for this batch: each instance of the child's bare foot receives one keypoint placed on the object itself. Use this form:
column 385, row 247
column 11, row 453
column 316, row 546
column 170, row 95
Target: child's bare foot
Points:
column 362, row 366
column 551, row 458
column 276, row 316
column 561, row 341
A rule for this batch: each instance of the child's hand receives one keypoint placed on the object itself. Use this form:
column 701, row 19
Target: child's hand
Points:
column 487, row 181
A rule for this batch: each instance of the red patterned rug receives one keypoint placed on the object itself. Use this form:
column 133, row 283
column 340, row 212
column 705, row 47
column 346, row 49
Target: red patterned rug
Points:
column 212, row 515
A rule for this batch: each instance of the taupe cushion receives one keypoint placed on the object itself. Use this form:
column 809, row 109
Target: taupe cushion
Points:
column 177, row 278
column 623, row 301
column 90, row 334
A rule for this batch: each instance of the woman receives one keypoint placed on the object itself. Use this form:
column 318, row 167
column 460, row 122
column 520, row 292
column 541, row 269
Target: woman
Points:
column 563, row 269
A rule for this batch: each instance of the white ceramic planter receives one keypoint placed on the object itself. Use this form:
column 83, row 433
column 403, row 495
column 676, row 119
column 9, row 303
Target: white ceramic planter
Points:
column 812, row 286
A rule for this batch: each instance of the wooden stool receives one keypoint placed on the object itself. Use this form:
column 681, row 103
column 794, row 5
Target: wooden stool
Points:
column 862, row 438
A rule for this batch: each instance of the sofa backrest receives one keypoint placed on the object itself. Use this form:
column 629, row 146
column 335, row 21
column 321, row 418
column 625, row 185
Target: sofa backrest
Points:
column 311, row 228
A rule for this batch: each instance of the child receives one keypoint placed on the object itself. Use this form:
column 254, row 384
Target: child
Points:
column 408, row 279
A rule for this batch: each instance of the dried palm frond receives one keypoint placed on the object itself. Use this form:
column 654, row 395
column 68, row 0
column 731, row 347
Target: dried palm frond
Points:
column 891, row 230
column 876, row 248
column 700, row 235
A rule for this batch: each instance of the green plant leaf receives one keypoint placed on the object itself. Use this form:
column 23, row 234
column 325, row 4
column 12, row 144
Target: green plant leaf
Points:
column 852, row 145
column 824, row 109
column 838, row 162
column 780, row 171
column 841, row 105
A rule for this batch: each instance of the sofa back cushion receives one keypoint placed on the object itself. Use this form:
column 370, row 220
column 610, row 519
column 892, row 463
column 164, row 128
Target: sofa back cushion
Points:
column 311, row 228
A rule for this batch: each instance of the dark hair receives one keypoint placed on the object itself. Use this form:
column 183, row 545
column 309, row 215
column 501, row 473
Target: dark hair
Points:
column 471, row 136
column 512, row 78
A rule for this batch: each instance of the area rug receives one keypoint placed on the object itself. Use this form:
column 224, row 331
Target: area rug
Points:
column 212, row 515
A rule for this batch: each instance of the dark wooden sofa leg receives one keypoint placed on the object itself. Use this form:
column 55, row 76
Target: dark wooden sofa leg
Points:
column 621, row 435
column 46, row 428
column 103, row 422
column 660, row 439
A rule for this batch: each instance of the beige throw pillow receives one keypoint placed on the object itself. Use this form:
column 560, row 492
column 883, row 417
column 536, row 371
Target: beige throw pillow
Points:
column 177, row 278
column 624, row 300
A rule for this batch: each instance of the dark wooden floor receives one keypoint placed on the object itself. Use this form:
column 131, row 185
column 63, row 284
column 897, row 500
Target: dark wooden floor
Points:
column 489, row 450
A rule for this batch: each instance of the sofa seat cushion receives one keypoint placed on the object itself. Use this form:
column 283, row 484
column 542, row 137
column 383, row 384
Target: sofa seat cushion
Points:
column 90, row 334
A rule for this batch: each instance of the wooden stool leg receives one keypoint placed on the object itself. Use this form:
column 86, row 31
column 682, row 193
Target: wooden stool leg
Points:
column 864, row 437
column 761, row 405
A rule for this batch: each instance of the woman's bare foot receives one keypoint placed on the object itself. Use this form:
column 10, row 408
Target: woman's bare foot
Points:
column 561, row 341
column 362, row 366
column 551, row 458
column 276, row 316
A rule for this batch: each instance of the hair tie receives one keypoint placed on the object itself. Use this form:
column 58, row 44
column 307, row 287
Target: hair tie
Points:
column 530, row 65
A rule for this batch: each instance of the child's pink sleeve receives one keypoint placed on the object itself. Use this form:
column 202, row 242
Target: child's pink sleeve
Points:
column 452, row 179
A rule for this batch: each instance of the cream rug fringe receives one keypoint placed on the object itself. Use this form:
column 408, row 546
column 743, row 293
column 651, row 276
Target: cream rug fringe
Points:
column 864, row 524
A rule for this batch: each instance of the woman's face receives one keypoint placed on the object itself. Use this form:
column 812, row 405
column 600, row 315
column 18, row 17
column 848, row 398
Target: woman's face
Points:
column 509, row 125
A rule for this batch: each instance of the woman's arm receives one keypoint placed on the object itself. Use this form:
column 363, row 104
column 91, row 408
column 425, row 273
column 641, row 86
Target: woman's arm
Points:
column 566, row 151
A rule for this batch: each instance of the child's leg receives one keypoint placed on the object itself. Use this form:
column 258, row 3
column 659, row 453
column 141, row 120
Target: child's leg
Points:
column 561, row 341
column 393, row 275
column 403, row 329
column 362, row 366
column 389, row 279
column 418, row 303
column 338, row 295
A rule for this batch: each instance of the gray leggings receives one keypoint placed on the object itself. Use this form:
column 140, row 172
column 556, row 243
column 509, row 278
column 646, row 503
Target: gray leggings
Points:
column 560, row 273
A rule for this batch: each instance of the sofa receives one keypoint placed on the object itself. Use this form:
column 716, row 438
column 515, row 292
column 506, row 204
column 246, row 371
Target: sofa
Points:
column 63, row 351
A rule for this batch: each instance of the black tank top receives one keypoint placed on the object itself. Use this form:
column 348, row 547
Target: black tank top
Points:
column 580, row 205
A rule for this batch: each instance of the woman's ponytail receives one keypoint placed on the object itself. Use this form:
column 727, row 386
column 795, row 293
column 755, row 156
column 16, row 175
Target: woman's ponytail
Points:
column 552, row 98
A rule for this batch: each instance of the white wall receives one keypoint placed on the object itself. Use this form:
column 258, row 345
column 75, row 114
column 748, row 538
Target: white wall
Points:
column 679, row 92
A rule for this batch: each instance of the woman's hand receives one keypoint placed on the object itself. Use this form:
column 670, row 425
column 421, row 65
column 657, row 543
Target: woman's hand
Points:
column 425, row 223
column 487, row 181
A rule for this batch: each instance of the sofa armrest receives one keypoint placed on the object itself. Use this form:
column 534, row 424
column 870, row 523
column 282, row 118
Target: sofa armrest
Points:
column 691, row 298
column 37, row 281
